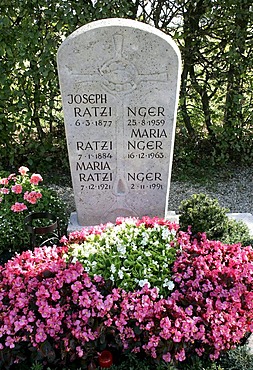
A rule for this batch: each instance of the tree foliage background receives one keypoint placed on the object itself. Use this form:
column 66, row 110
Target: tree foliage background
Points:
column 215, row 37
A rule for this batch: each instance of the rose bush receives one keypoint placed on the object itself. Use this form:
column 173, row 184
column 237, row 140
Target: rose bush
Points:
column 21, row 194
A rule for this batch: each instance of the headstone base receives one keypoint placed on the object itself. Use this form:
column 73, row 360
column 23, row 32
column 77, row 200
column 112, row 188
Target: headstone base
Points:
column 172, row 216
column 73, row 224
column 247, row 218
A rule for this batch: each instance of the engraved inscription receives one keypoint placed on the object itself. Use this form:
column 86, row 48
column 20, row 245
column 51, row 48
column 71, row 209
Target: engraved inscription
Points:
column 148, row 133
column 141, row 176
column 144, row 111
column 87, row 99
column 94, row 145
column 93, row 112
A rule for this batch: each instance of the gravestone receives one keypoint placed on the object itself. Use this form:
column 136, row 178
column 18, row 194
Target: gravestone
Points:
column 119, row 83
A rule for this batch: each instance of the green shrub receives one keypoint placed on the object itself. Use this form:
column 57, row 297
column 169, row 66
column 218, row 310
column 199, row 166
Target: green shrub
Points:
column 197, row 363
column 236, row 232
column 204, row 214
column 133, row 362
column 20, row 195
column 239, row 358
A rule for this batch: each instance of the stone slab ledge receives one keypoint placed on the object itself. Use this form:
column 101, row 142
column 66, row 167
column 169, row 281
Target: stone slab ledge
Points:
column 247, row 218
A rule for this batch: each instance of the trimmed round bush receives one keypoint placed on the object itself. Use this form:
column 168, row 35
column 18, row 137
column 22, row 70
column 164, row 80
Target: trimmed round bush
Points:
column 204, row 215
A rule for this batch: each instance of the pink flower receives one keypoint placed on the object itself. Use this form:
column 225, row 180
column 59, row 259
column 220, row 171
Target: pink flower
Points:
column 4, row 181
column 167, row 357
column 12, row 176
column 35, row 179
column 40, row 336
column 17, row 189
column 4, row 191
column 10, row 342
column 32, row 197
column 23, row 170
column 79, row 351
column 18, row 207
column 180, row 356
column 177, row 336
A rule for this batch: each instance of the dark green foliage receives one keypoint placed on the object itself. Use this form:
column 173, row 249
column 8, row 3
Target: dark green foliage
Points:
column 236, row 232
column 204, row 214
column 215, row 108
column 31, row 120
column 133, row 362
column 196, row 363
column 237, row 359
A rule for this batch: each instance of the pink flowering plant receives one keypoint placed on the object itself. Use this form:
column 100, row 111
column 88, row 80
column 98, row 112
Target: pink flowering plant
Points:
column 49, row 309
column 215, row 281
column 53, row 310
column 21, row 194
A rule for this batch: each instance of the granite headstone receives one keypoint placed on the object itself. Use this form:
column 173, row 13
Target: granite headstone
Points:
column 119, row 83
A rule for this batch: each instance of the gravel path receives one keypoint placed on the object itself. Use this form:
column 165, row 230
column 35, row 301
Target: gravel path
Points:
column 235, row 192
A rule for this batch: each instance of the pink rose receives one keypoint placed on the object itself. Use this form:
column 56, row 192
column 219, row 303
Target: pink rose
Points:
column 23, row 170
column 35, row 179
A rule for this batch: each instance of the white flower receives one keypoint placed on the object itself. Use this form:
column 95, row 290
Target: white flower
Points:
column 169, row 284
column 147, row 254
column 120, row 274
column 121, row 249
column 113, row 268
column 143, row 282
column 173, row 232
column 165, row 233
column 134, row 246
column 144, row 239
column 156, row 243
column 144, row 242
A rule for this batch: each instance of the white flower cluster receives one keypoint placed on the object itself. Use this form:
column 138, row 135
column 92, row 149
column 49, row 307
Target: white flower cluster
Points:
column 130, row 255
